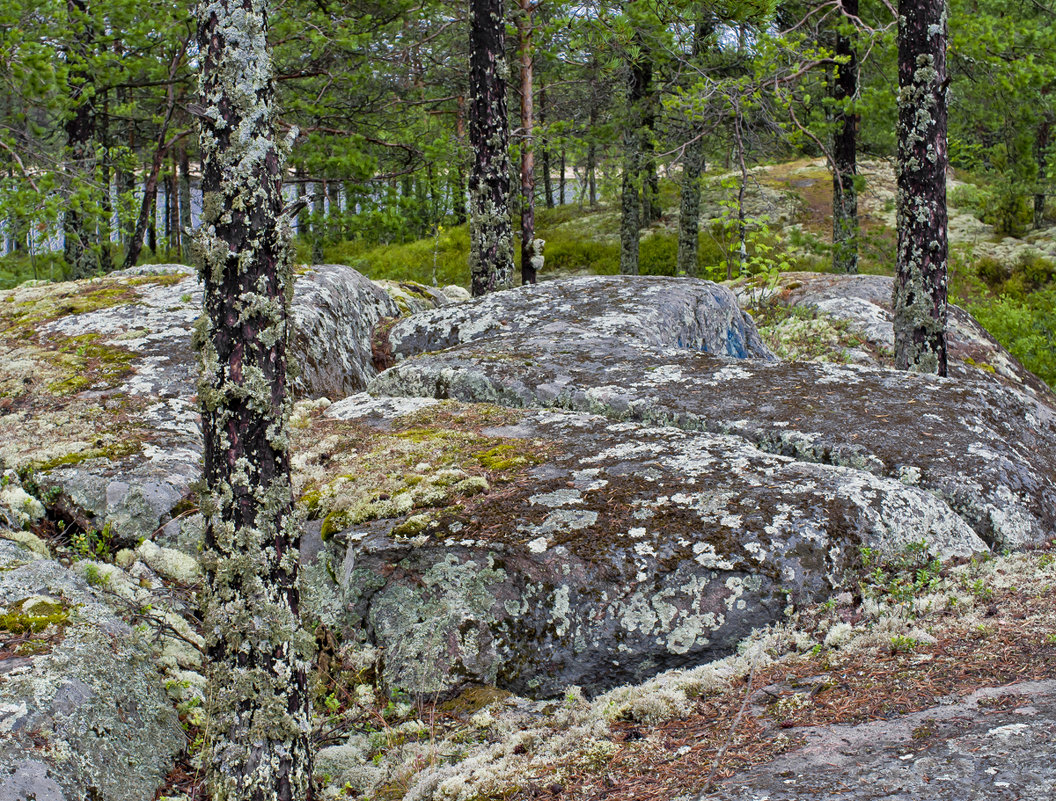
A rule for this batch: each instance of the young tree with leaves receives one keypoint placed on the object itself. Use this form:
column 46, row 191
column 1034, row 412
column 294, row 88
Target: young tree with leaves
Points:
column 259, row 657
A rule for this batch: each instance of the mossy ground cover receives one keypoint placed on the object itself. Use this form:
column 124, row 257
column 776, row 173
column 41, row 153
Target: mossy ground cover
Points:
column 348, row 472
column 46, row 420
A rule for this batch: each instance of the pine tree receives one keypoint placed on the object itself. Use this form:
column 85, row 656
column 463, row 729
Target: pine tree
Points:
column 491, row 235
column 919, row 300
column 258, row 703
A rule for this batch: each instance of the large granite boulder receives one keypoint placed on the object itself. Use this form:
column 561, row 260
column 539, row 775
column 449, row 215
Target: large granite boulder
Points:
column 97, row 393
column 987, row 450
column 675, row 312
column 536, row 549
column 860, row 305
column 83, row 710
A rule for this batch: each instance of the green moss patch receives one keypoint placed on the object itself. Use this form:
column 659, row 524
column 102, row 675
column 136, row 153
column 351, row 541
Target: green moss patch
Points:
column 349, row 473
column 33, row 615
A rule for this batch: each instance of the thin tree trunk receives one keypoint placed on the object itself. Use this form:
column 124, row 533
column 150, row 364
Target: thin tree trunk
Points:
column 651, row 211
column 544, row 152
column 458, row 202
column 919, row 299
column 491, row 237
column 80, row 130
column 258, row 702
column 185, row 200
column 630, row 201
column 170, row 211
column 524, row 31
column 135, row 245
column 1041, row 146
column 152, row 225
column 106, row 263
column 318, row 220
column 689, row 191
column 561, row 178
column 845, row 147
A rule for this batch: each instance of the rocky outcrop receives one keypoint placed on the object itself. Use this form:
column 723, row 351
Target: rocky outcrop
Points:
column 656, row 312
column 83, row 711
column 98, row 395
column 987, row 450
column 589, row 552
column 861, row 306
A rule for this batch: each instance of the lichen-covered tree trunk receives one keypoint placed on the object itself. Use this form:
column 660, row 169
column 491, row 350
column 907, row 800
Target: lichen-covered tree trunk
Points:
column 544, row 153
column 77, row 229
column 919, row 300
column 491, row 235
column 845, row 147
column 650, row 181
column 259, row 657
column 524, row 33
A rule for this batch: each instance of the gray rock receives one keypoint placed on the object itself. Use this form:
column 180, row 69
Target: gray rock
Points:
column 86, row 716
column 335, row 310
column 989, row 451
column 676, row 312
column 134, row 447
column 623, row 551
column 863, row 302
column 955, row 752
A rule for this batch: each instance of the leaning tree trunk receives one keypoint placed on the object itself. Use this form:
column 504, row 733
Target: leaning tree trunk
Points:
column 844, row 150
column 491, row 235
column 919, row 299
column 80, row 129
column 257, row 699
column 524, row 32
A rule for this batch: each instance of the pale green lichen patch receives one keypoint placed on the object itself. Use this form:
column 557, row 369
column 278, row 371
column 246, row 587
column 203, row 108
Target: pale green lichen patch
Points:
column 351, row 472
column 797, row 333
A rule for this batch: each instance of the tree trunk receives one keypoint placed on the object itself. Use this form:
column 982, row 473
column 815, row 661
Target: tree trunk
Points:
column 491, row 236
column 1041, row 147
column 106, row 206
column 318, row 220
column 630, row 202
column 169, row 182
column 80, row 129
column 650, row 180
column 185, row 201
column 524, row 32
column 689, row 191
column 544, row 152
column 919, row 300
column 257, row 699
column 152, row 225
column 561, row 177
column 844, row 147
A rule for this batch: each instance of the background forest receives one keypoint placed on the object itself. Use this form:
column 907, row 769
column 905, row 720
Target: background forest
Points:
column 99, row 164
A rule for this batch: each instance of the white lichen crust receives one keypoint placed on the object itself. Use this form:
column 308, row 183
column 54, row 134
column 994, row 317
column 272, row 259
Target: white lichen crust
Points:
column 257, row 703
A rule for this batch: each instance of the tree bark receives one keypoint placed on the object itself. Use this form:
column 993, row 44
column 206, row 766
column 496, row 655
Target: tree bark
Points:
column 185, row 200
column 919, row 299
column 259, row 657
column 845, row 147
column 491, row 236
column 544, row 152
column 80, row 130
column 630, row 202
column 689, row 191
column 524, row 32
column 106, row 205
column 1041, row 148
